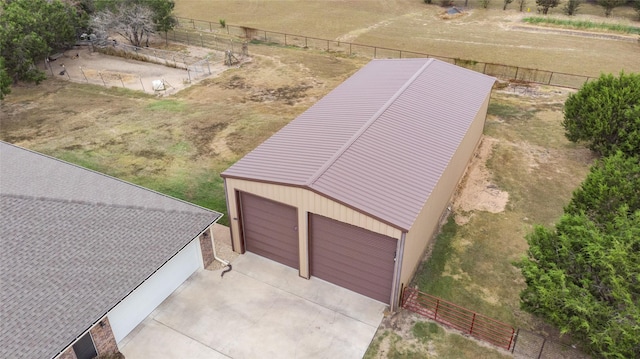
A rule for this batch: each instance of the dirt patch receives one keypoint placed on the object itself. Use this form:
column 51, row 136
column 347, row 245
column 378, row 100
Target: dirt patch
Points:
column 477, row 192
column 83, row 65
column 288, row 94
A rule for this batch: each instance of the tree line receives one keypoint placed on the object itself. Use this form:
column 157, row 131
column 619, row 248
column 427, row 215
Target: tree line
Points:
column 571, row 6
column 31, row 30
column 583, row 276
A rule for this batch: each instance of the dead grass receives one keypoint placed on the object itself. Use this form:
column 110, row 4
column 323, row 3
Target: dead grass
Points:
column 175, row 145
column 486, row 35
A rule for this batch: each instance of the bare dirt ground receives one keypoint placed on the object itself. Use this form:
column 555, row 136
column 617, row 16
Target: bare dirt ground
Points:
column 478, row 193
column 85, row 66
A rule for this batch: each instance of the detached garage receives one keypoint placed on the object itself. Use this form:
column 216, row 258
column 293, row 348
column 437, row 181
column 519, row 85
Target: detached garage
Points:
column 353, row 190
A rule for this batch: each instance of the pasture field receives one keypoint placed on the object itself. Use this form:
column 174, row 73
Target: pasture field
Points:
column 485, row 35
column 525, row 169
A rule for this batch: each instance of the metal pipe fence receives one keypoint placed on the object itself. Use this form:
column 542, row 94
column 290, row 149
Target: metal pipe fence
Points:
column 501, row 71
column 522, row 343
column 469, row 322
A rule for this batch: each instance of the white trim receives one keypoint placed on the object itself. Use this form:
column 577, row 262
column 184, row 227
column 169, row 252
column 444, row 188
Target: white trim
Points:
column 125, row 316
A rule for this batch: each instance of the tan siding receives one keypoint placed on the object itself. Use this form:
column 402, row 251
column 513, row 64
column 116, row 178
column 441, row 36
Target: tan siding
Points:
column 305, row 201
column 426, row 224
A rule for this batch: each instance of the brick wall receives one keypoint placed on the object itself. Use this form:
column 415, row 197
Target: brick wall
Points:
column 103, row 341
column 103, row 338
column 206, row 247
column 68, row 354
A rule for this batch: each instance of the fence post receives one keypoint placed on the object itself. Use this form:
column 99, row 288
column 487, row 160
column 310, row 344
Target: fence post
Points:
column 517, row 69
column 305, row 42
column 210, row 27
column 285, row 39
column 141, row 84
column 435, row 314
column 473, row 321
column 550, row 77
column 514, row 340
column 349, row 49
column 400, row 53
column 201, row 43
column 102, row 78
column 375, row 52
column 544, row 341
column 85, row 76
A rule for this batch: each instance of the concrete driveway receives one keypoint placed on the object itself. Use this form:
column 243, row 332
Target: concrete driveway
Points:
column 261, row 309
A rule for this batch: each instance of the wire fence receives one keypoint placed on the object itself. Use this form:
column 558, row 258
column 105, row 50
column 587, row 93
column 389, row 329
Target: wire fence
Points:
column 531, row 345
column 501, row 71
column 196, row 67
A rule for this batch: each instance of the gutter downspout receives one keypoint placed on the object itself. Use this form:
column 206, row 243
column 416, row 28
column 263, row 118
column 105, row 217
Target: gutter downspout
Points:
column 209, row 233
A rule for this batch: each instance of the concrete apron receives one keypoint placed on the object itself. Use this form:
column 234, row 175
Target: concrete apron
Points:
column 261, row 309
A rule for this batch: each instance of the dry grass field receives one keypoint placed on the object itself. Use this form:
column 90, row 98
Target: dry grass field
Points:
column 524, row 173
column 485, row 35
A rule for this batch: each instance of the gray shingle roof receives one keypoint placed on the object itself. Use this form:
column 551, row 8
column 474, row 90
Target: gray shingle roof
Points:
column 73, row 244
column 380, row 141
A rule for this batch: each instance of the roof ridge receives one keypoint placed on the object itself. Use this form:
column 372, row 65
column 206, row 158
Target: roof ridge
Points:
column 366, row 125
column 102, row 204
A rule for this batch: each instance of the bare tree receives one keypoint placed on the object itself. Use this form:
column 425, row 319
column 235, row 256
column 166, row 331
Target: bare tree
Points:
column 134, row 22
column 521, row 4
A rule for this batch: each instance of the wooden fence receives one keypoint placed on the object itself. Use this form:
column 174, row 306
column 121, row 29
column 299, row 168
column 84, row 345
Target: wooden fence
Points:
column 457, row 317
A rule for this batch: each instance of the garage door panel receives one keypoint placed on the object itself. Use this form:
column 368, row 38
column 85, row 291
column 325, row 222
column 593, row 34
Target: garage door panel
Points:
column 357, row 268
column 353, row 248
column 373, row 289
column 269, row 229
column 352, row 257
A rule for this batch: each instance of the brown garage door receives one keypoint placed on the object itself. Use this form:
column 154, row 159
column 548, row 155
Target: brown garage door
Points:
column 270, row 229
column 351, row 257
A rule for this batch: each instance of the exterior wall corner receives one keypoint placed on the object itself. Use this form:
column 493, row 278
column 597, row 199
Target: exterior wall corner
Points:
column 103, row 338
column 206, row 248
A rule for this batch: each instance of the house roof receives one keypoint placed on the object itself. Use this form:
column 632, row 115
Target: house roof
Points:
column 379, row 142
column 74, row 243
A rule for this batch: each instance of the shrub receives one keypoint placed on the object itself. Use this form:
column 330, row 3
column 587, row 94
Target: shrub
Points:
column 223, row 23
column 605, row 113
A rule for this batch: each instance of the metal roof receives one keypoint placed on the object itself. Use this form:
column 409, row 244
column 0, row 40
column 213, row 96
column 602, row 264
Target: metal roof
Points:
column 74, row 243
column 380, row 141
